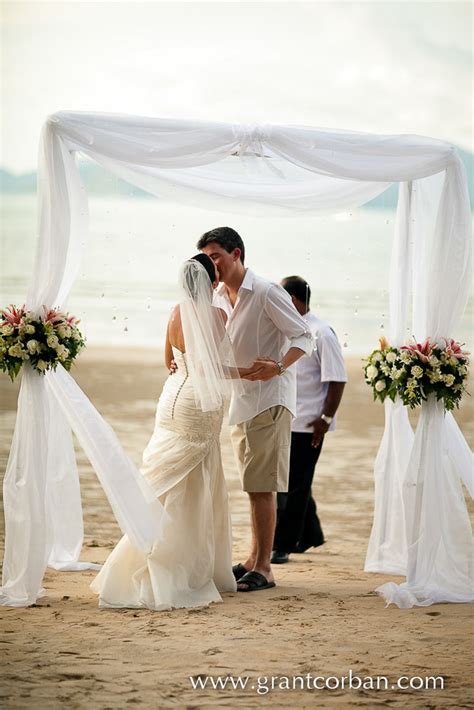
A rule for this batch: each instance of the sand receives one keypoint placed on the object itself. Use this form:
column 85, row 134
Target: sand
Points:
column 322, row 619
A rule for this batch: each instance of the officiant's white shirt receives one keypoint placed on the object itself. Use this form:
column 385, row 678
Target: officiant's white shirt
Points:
column 314, row 373
column 263, row 323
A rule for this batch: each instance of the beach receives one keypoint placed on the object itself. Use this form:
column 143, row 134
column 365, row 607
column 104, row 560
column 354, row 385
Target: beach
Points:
column 322, row 619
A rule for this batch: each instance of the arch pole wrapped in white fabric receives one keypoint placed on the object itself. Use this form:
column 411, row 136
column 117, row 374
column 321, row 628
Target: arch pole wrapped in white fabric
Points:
column 438, row 530
column 387, row 549
column 281, row 169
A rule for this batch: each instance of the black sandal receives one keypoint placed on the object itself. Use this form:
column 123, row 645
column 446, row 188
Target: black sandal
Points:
column 254, row 581
column 239, row 571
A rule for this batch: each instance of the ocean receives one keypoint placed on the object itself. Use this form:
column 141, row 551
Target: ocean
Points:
column 128, row 279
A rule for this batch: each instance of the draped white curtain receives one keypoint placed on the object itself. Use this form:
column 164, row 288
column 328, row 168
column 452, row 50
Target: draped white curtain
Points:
column 387, row 549
column 439, row 564
column 263, row 169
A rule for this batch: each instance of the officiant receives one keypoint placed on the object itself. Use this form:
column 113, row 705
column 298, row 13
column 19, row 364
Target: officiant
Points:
column 320, row 381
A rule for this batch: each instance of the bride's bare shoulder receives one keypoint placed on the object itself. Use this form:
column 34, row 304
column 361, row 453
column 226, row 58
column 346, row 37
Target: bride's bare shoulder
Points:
column 175, row 315
column 175, row 327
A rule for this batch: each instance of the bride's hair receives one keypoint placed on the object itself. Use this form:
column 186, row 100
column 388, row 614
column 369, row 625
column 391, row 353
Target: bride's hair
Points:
column 198, row 275
column 208, row 264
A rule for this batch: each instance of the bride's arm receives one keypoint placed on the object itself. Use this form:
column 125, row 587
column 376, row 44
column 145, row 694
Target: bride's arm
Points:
column 223, row 315
column 168, row 348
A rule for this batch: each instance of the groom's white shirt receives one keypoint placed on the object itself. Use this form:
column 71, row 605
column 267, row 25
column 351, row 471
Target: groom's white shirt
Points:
column 263, row 323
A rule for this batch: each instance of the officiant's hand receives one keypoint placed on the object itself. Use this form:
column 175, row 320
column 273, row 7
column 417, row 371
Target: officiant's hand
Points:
column 262, row 369
column 320, row 428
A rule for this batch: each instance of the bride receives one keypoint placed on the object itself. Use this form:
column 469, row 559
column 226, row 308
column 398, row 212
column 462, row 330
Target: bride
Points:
column 191, row 562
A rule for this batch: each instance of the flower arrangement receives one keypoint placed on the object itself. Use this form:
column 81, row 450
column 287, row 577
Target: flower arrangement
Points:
column 417, row 370
column 42, row 340
column 380, row 371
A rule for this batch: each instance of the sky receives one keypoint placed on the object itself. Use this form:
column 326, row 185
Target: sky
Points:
column 382, row 67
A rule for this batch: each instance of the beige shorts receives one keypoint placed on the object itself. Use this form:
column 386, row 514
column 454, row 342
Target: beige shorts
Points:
column 262, row 447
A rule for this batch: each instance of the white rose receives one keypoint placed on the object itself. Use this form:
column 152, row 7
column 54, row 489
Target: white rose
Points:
column 15, row 350
column 30, row 329
column 32, row 346
column 63, row 352
column 52, row 341
column 433, row 361
column 7, row 329
column 391, row 357
column 41, row 365
column 449, row 380
column 380, row 385
column 64, row 331
column 376, row 357
column 372, row 372
column 417, row 371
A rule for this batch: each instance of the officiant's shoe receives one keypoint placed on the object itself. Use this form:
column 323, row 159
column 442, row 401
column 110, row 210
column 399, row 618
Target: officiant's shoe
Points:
column 279, row 557
column 300, row 549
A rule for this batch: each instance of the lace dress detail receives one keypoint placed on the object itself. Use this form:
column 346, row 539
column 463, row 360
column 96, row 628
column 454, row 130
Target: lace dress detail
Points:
column 182, row 463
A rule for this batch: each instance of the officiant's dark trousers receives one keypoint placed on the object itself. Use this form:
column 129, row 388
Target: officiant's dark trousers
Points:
column 298, row 527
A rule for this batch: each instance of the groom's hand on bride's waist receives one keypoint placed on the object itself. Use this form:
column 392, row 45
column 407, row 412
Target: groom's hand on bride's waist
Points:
column 262, row 369
column 173, row 367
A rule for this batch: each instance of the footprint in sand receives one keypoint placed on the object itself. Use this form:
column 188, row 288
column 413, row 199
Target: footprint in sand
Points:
column 212, row 651
column 289, row 607
column 68, row 653
column 279, row 599
column 198, row 610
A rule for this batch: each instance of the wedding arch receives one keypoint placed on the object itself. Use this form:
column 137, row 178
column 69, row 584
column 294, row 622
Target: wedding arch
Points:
column 421, row 527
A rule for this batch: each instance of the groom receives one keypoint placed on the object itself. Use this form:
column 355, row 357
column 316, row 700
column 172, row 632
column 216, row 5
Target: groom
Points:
column 268, row 336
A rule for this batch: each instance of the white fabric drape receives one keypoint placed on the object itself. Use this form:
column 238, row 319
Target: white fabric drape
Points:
column 438, row 530
column 387, row 549
column 259, row 168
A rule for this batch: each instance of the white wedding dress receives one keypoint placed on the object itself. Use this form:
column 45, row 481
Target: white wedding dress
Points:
column 192, row 562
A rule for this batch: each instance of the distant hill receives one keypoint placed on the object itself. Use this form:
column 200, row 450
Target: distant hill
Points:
column 100, row 182
column 97, row 180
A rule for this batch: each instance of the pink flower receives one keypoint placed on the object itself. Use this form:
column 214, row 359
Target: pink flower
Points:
column 52, row 316
column 453, row 349
column 422, row 350
column 57, row 317
column 384, row 344
column 13, row 316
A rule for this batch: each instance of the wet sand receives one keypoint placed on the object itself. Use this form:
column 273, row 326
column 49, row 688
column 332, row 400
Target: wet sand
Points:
column 322, row 619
